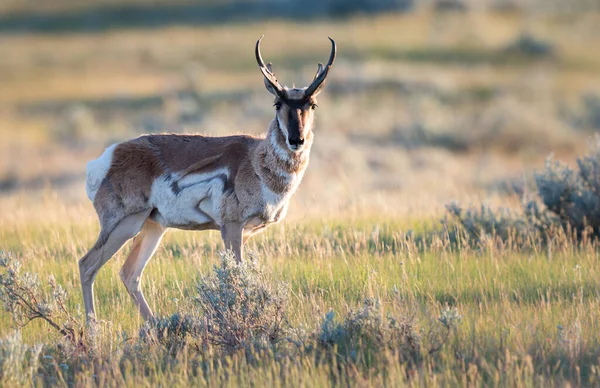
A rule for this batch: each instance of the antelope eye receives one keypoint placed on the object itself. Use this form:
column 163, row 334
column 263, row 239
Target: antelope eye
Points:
column 277, row 105
column 314, row 106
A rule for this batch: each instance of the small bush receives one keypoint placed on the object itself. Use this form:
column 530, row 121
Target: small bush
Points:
column 241, row 307
column 483, row 222
column 24, row 298
column 173, row 332
column 480, row 225
column 366, row 336
column 238, row 307
column 573, row 196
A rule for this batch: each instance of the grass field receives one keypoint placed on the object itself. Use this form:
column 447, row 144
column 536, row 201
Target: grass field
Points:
column 421, row 109
column 528, row 318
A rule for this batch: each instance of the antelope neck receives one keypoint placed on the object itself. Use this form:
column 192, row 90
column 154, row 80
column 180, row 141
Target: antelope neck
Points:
column 277, row 157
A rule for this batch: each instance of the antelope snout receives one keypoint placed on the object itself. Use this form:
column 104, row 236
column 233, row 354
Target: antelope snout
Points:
column 296, row 143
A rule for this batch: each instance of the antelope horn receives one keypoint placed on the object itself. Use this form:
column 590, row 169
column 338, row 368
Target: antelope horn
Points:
column 322, row 74
column 267, row 70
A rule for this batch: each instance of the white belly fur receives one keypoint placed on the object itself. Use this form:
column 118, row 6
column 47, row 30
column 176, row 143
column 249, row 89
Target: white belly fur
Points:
column 198, row 192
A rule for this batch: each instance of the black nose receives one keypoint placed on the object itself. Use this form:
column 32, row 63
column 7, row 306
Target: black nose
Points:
column 297, row 142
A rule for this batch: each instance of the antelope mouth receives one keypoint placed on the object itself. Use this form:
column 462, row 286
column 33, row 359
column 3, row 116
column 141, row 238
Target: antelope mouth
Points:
column 295, row 148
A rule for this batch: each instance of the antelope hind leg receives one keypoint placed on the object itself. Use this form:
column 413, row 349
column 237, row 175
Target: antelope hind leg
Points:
column 144, row 246
column 107, row 245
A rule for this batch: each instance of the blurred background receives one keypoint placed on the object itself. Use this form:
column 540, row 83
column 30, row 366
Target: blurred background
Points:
column 428, row 101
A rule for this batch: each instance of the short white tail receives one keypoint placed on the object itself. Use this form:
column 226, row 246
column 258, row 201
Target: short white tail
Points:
column 96, row 171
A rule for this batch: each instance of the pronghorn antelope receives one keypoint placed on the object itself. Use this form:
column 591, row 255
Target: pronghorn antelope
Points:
column 236, row 184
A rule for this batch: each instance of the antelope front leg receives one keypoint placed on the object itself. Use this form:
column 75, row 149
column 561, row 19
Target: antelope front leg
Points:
column 231, row 233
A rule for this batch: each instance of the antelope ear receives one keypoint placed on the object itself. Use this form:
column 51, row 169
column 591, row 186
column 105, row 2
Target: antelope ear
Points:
column 271, row 87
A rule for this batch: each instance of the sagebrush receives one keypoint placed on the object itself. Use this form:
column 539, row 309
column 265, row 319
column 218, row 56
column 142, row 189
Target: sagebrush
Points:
column 566, row 202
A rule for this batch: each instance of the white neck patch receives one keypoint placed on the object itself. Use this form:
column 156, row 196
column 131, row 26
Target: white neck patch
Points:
column 281, row 153
column 283, row 128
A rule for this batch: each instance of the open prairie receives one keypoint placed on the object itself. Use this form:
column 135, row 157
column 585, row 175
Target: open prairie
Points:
column 376, row 279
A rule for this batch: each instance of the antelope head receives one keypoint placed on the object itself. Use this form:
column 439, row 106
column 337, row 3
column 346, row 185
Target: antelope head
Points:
column 295, row 107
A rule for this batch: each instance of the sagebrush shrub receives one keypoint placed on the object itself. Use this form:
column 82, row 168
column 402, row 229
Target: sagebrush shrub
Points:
column 238, row 307
column 173, row 332
column 23, row 296
column 241, row 307
column 573, row 195
column 365, row 336
column 568, row 201
column 481, row 222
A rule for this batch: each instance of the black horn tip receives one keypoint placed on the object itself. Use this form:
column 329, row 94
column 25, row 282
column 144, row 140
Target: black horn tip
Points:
column 259, row 59
column 333, row 52
column 258, row 42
